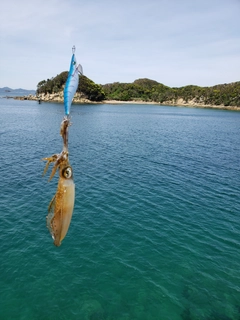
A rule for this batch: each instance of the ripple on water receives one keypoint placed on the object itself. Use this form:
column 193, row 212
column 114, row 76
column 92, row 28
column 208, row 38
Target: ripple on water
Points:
column 154, row 234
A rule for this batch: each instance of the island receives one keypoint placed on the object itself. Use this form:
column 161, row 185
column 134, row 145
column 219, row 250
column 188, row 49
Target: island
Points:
column 223, row 96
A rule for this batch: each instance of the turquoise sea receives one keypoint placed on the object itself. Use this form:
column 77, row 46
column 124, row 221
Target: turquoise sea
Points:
column 155, row 233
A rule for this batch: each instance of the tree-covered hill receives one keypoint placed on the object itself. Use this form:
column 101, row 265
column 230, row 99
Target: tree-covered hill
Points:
column 141, row 89
column 147, row 90
column 150, row 90
column 86, row 87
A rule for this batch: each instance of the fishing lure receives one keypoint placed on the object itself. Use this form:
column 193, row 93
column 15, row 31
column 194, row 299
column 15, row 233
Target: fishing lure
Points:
column 72, row 82
column 61, row 207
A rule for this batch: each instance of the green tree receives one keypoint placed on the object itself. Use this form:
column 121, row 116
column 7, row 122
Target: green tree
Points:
column 91, row 90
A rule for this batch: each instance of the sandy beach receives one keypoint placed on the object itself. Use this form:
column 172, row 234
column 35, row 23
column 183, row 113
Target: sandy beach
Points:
column 178, row 103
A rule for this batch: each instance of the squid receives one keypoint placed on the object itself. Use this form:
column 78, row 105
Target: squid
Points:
column 60, row 209
column 61, row 206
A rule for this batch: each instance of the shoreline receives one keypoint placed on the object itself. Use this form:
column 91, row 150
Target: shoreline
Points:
column 79, row 99
column 172, row 104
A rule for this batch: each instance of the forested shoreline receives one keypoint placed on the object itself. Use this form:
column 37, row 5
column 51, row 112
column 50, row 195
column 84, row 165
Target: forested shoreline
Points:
column 227, row 95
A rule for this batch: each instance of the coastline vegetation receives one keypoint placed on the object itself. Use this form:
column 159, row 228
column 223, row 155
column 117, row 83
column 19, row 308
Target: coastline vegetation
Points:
column 147, row 90
column 88, row 89
column 153, row 91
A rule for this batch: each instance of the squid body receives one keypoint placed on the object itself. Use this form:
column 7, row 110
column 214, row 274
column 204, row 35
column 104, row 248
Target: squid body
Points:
column 61, row 206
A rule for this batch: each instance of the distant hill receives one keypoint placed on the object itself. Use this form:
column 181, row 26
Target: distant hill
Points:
column 147, row 90
column 86, row 87
column 153, row 91
column 13, row 92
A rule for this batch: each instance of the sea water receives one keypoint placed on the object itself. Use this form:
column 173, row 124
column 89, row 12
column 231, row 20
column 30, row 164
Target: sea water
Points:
column 155, row 229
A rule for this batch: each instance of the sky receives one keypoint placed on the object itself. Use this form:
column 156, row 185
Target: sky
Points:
column 175, row 42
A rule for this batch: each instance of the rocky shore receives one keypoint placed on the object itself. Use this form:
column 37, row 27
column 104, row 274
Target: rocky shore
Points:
column 79, row 98
column 54, row 97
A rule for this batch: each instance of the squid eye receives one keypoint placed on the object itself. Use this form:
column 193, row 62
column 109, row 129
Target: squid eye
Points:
column 67, row 172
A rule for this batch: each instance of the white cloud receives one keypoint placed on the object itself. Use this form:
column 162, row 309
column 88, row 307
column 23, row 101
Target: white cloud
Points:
column 173, row 42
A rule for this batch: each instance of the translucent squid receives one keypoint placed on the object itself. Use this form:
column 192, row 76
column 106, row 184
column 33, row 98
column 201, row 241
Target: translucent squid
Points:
column 60, row 209
column 61, row 206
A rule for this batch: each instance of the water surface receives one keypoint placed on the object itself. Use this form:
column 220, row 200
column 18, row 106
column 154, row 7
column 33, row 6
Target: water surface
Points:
column 155, row 230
